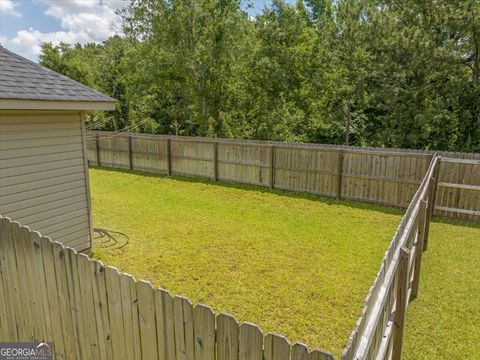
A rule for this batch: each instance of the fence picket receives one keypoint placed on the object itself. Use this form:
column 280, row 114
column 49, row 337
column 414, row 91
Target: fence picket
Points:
column 34, row 282
column 101, row 310
column 64, row 299
column 401, row 304
column 299, row 352
column 419, row 248
column 204, row 332
column 319, row 355
column 112, row 281
column 130, row 316
column 25, row 285
column 87, row 304
column 7, row 316
column 135, row 320
column 75, row 303
column 183, row 321
column 250, row 345
column 15, row 271
column 276, row 347
column 13, row 298
column 227, row 337
column 165, row 325
column 52, row 294
column 146, row 320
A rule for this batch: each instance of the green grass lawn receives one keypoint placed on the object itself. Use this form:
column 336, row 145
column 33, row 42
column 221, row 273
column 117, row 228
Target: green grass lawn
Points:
column 444, row 321
column 299, row 265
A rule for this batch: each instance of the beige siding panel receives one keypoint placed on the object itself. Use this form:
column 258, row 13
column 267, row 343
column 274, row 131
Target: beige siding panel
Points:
column 36, row 194
column 39, row 159
column 80, row 244
column 77, row 239
column 41, row 150
column 67, row 225
column 30, row 143
column 38, row 134
column 37, row 126
column 28, row 169
column 77, row 227
column 38, row 122
column 42, row 174
column 45, row 216
column 26, row 116
column 40, row 184
column 20, row 213
column 60, row 218
column 45, row 199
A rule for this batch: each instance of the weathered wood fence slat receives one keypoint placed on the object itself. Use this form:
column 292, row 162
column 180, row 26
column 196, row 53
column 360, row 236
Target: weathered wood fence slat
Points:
column 49, row 292
column 382, row 176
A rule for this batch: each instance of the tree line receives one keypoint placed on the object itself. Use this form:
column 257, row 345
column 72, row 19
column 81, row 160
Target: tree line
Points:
column 359, row 72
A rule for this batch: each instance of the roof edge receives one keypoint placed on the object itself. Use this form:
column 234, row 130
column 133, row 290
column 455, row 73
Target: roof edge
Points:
column 25, row 104
column 54, row 73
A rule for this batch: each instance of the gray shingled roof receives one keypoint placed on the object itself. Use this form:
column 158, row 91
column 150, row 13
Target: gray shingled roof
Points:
column 23, row 79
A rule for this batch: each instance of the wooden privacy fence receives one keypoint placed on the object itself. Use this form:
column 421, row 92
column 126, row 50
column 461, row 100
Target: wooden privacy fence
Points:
column 382, row 176
column 378, row 333
column 49, row 292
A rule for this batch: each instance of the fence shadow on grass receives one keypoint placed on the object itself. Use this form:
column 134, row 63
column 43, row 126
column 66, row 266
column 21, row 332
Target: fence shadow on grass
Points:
column 456, row 222
column 391, row 210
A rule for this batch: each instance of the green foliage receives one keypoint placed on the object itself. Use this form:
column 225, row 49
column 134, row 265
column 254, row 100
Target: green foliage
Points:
column 363, row 72
column 295, row 264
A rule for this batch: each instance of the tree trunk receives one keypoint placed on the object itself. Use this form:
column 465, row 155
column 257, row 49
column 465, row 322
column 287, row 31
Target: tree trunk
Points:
column 348, row 116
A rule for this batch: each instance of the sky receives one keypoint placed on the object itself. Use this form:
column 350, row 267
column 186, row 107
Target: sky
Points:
column 25, row 24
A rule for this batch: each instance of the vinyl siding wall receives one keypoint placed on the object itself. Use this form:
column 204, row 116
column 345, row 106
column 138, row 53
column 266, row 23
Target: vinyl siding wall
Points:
column 43, row 175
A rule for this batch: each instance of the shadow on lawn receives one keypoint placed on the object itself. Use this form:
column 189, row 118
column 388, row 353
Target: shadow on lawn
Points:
column 457, row 222
column 288, row 193
column 292, row 194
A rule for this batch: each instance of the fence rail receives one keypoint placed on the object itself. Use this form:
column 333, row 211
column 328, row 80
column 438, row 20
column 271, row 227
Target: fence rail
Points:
column 49, row 292
column 382, row 176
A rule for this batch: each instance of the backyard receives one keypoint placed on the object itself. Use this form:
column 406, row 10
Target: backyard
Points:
column 296, row 264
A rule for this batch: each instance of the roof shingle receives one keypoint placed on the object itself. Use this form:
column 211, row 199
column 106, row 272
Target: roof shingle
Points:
column 23, row 79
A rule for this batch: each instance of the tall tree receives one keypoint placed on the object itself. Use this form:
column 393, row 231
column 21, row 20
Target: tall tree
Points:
column 364, row 72
column 280, row 72
column 195, row 51
column 427, row 94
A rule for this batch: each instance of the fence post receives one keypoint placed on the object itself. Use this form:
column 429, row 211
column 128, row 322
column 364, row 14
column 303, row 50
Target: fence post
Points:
column 97, row 149
column 272, row 167
column 215, row 161
column 401, row 304
column 169, row 157
column 432, row 196
column 419, row 248
column 435, row 186
column 130, row 158
column 339, row 174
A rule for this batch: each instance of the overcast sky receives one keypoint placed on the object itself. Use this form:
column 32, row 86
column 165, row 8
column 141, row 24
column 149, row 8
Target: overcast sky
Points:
column 25, row 24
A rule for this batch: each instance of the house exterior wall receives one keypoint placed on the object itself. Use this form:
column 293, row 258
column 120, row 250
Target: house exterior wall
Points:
column 44, row 175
